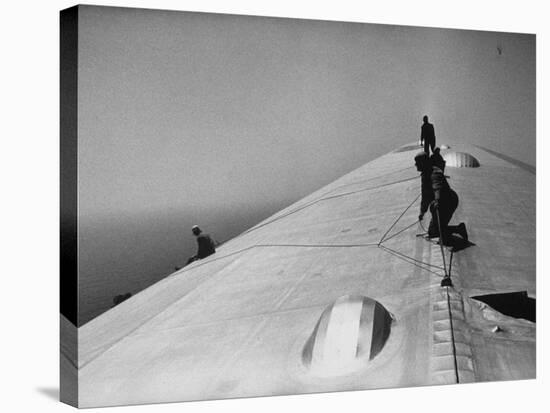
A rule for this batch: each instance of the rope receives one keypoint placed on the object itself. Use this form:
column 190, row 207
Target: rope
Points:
column 372, row 244
column 413, row 261
column 370, row 189
column 370, row 179
column 217, row 258
column 452, row 334
column 323, row 198
column 399, row 232
column 448, row 276
column 397, row 220
column 405, row 257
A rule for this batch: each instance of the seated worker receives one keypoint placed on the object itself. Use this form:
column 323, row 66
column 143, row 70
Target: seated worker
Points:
column 440, row 198
column 206, row 246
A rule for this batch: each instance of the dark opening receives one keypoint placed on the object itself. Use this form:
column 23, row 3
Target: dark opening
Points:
column 517, row 304
column 381, row 327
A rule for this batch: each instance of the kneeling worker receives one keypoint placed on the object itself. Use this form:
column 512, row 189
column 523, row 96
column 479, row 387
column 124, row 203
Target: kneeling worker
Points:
column 206, row 246
column 438, row 195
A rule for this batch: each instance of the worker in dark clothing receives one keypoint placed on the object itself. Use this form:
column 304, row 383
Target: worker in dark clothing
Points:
column 206, row 246
column 437, row 159
column 427, row 135
column 438, row 196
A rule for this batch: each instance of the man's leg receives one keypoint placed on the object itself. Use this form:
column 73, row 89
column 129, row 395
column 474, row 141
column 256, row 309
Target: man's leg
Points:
column 433, row 229
column 447, row 207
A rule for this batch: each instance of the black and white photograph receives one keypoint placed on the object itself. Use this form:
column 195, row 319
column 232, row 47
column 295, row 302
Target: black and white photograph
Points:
column 270, row 206
column 253, row 204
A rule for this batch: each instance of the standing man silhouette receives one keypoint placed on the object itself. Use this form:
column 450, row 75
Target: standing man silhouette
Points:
column 427, row 135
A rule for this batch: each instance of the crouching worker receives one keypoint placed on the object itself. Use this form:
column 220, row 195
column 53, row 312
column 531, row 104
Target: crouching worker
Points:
column 206, row 246
column 438, row 196
column 438, row 160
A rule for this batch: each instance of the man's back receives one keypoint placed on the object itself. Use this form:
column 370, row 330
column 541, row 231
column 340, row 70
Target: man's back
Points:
column 206, row 246
column 439, row 182
column 428, row 133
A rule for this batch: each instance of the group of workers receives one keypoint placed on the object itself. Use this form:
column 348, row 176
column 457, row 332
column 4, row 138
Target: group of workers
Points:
column 437, row 195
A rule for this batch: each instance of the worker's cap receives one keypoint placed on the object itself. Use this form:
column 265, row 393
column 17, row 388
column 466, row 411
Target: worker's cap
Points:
column 195, row 227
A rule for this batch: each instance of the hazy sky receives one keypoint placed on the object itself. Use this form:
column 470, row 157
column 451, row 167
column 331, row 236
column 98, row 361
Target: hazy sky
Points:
column 222, row 120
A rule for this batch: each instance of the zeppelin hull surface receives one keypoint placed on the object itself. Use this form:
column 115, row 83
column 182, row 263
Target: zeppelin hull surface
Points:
column 336, row 292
